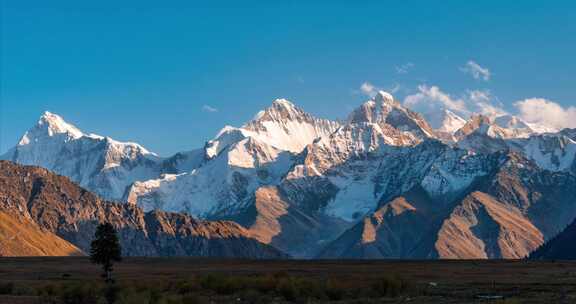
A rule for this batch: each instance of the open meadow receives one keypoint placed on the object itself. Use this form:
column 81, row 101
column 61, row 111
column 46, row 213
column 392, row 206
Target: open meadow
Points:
column 191, row 280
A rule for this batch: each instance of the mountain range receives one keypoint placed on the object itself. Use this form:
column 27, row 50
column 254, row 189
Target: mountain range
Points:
column 386, row 182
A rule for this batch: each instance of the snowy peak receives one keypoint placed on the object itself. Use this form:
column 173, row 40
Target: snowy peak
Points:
column 445, row 121
column 283, row 104
column 452, row 122
column 384, row 98
column 286, row 127
column 374, row 110
column 57, row 123
column 98, row 163
column 50, row 125
column 504, row 127
column 383, row 110
column 128, row 149
column 510, row 122
column 226, row 137
column 514, row 126
column 476, row 124
column 281, row 110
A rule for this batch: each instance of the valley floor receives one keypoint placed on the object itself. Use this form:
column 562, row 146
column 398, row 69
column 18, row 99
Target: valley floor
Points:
column 385, row 281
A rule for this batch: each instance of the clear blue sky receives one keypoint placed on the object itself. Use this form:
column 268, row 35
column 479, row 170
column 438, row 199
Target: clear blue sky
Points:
column 143, row 70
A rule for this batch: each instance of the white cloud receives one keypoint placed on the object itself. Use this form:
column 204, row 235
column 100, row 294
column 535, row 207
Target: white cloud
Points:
column 479, row 95
column 546, row 113
column 536, row 111
column 395, row 88
column 431, row 98
column 368, row 89
column 477, row 71
column 481, row 101
column 207, row 108
column 405, row 68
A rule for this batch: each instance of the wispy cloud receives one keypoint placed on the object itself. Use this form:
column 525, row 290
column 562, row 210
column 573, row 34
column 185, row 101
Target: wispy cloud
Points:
column 368, row 89
column 395, row 88
column 430, row 98
column 479, row 95
column 404, row 68
column 483, row 102
column 540, row 112
column 477, row 71
column 546, row 113
column 207, row 108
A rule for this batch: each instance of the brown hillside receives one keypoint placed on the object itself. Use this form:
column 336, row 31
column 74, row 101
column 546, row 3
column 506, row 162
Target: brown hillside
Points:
column 62, row 208
column 21, row 237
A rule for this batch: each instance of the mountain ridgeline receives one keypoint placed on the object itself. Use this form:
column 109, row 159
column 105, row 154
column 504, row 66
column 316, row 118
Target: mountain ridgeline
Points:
column 50, row 215
column 386, row 182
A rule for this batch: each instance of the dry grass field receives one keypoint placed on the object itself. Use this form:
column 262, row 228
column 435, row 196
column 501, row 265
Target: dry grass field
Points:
column 191, row 280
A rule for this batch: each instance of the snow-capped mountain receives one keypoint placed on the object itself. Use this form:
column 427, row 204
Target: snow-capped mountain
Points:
column 384, row 110
column 551, row 151
column 554, row 152
column 499, row 127
column 282, row 126
column 502, row 126
column 287, row 127
column 385, row 182
column 515, row 127
column 445, row 121
column 98, row 163
column 379, row 123
column 239, row 160
column 506, row 213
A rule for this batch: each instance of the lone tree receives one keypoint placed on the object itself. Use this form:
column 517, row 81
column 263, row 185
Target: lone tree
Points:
column 105, row 249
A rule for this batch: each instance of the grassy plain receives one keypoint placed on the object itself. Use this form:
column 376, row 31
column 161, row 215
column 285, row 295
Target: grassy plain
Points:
column 192, row 280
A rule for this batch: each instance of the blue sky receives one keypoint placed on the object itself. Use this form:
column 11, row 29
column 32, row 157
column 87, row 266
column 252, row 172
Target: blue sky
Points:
column 170, row 74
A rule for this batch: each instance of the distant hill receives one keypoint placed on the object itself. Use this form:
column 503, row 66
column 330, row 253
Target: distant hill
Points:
column 42, row 213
